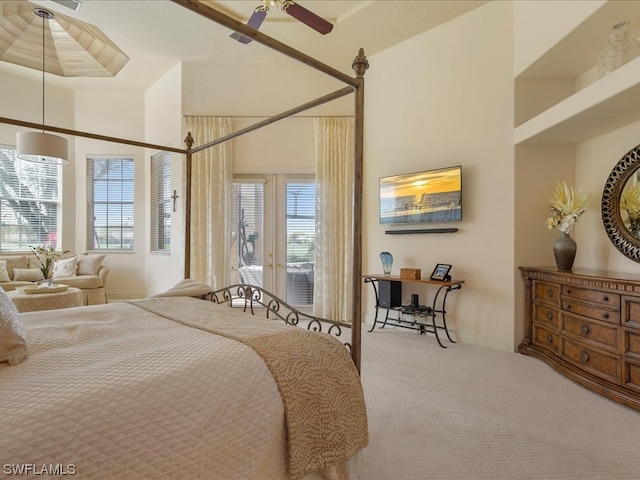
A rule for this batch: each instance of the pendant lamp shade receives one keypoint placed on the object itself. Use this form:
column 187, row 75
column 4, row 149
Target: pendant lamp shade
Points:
column 42, row 147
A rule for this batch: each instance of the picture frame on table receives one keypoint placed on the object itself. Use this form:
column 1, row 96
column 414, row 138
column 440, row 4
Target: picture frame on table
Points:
column 441, row 272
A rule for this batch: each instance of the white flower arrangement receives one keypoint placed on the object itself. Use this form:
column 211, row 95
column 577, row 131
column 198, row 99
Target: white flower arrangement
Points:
column 566, row 207
column 46, row 255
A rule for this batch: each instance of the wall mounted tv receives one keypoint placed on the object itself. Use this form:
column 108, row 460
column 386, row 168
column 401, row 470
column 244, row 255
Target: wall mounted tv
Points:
column 430, row 196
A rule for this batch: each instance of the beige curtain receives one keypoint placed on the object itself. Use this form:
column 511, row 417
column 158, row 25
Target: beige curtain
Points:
column 334, row 214
column 212, row 178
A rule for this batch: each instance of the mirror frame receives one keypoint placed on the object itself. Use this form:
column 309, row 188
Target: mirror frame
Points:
column 618, row 233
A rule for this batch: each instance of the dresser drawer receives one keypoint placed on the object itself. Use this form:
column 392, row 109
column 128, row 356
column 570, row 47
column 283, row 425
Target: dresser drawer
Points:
column 602, row 364
column 547, row 315
column 631, row 375
column 631, row 312
column 546, row 292
column 546, row 338
column 595, row 296
column 632, row 343
column 601, row 334
column 591, row 311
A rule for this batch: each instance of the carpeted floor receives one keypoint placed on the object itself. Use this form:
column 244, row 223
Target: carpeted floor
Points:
column 474, row 413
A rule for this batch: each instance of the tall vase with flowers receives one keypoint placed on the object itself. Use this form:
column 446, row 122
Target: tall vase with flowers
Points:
column 566, row 206
column 46, row 255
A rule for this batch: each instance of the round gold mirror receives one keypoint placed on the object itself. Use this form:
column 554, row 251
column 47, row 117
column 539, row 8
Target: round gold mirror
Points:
column 621, row 205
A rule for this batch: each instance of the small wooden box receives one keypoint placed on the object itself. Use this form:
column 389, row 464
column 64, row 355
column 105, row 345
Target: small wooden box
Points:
column 410, row 273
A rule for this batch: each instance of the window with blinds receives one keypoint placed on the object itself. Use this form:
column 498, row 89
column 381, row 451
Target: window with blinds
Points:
column 110, row 185
column 29, row 202
column 161, row 202
column 274, row 235
column 300, row 238
column 248, row 235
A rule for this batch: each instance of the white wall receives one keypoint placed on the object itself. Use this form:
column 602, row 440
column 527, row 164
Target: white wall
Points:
column 116, row 114
column 163, row 126
column 443, row 98
column 595, row 159
column 540, row 24
column 259, row 90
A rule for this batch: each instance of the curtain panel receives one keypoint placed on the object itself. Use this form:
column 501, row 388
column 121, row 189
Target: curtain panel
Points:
column 334, row 137
column 212, row 178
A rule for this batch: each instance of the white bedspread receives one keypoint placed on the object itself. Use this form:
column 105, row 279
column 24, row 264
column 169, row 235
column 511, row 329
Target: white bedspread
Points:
column 114, row 391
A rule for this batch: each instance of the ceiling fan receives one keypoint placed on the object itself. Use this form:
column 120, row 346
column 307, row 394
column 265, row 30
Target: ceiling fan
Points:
column 298, row 12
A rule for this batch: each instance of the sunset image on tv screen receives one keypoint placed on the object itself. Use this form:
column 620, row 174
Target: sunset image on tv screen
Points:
column 422, row 197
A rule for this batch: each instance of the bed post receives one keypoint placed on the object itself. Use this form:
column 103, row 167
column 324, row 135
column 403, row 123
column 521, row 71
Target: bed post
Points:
column 187, row 206
column 360, row 65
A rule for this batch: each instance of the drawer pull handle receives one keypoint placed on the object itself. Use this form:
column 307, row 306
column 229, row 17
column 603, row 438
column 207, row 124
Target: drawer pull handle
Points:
column 605, row 315
column 550, row 293
column 549, row 316
column 549, row 338
column 584, row 356
column 569, row 291
column 606, row 299
column 585, row 329
column 568, row 307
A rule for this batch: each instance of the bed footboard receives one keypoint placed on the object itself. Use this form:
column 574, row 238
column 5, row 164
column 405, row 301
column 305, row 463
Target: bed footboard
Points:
column 258, row 301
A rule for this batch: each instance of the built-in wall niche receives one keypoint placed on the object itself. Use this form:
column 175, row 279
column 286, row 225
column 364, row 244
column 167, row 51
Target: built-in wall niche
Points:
column 560, row 99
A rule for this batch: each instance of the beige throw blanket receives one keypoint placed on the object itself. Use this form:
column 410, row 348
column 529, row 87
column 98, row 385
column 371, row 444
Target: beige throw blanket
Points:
column 324, row 403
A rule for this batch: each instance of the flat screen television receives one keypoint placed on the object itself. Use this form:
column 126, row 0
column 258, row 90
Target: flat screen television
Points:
column 430, row 196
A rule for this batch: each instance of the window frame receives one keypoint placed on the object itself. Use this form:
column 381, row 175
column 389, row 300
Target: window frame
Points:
column 111, row 205
column 160, row 202
column 54, row 199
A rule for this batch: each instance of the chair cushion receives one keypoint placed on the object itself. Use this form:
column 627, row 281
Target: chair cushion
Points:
column 81, row 281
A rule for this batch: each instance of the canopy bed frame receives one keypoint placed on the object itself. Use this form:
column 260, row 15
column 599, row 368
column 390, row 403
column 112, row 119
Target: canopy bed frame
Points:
column 354, row 85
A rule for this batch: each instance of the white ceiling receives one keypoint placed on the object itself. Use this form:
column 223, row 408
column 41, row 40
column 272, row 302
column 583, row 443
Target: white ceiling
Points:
column 157, row 35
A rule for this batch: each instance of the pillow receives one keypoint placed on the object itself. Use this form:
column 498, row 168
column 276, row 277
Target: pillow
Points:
column 65, row 268
column 27, row 274
column 89, row 264
column 13, row 343
column 4, row 274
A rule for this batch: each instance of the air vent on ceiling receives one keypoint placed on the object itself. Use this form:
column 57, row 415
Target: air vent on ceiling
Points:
column 72, row 4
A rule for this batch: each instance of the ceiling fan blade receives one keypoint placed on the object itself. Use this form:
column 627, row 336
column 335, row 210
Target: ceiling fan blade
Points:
column 307, row 17
column 256, row 19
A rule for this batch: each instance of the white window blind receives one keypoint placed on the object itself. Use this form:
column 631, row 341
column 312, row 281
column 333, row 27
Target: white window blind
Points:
column 161, row 202
column 110, row 188
column 300, row 241
column 29, row 203
column 274, row 235
column 248, row 235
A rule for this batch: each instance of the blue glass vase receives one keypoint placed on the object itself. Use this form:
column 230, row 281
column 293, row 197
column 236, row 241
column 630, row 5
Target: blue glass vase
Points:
column 387, row 262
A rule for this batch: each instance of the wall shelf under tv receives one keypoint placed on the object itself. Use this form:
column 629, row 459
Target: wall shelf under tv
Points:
column 421, row 230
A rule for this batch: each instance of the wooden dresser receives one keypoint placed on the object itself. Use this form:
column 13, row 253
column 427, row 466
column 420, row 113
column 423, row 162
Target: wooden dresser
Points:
column 586, row 325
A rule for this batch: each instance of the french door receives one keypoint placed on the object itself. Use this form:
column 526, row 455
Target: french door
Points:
column 273, row 235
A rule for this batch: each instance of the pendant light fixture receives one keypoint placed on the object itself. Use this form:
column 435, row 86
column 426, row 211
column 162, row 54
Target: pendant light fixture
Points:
column 40, row 146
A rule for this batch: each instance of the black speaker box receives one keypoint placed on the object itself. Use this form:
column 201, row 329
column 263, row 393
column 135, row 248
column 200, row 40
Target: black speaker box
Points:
column 389, row 294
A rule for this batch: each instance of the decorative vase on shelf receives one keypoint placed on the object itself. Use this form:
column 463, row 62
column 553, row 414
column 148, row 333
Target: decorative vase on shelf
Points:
column 620, row 50
column 387, row 262
column 564, row 249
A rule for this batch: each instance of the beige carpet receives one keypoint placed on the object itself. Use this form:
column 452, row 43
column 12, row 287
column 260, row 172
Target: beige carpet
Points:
column 474, row 413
